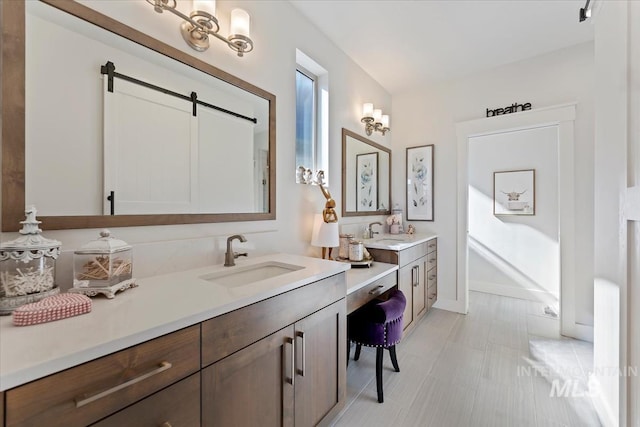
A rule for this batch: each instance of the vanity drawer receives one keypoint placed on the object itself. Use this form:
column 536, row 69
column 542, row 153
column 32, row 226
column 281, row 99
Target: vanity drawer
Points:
column 177, row 405
column 432, row 277
column 86, row 393
column 432, row 260
column 372, row 290
column 233, row 331
column 432, row 296
column 401, row 258
column 411, row 254
column 432, row 245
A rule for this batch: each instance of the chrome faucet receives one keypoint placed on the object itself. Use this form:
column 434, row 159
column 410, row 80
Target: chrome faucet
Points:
column 368, row 232
column 230, row 255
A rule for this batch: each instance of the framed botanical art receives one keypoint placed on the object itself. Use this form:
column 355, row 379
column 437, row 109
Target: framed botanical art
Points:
column 367, row 182
column 514, row 192
column 420, row 183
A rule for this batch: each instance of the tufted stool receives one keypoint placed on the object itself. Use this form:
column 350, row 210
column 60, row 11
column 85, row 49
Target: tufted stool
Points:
column 378, row 324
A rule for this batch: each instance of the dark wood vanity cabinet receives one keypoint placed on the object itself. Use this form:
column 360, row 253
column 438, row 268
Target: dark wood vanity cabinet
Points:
column 293, row 376
column 412, row 282
column 94, row 390
column 417, row 276
column 432, row 273
column 280, row 361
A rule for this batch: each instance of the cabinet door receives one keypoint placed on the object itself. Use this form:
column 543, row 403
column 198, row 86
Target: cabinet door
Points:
column 254, row 386
column 405, row 284
column 320, row 385
column 419, row 288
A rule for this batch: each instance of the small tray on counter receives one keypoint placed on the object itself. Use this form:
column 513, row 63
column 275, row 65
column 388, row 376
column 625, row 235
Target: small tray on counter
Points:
column 363, row 263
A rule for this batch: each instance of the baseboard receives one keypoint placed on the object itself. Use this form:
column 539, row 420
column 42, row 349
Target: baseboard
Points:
column 578, row 331
column 607, row 418
column 514, row 292
column 450, row 305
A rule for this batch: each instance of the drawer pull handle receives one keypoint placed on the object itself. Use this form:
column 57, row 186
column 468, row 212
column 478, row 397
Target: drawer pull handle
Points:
column 82, row 400
column 166, row 424
column 304, row 356
column 374, row 290
column 292, row 379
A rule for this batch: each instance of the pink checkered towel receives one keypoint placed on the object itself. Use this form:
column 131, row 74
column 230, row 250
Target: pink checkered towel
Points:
column 51, row 308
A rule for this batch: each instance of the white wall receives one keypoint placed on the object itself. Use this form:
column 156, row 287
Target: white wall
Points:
column 277, row 30
column 428, row 116
column 617, row 211
column 516, row 255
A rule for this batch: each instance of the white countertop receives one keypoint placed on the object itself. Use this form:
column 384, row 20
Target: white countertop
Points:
column 158, row 306
column 397, row 242
column 360, row 277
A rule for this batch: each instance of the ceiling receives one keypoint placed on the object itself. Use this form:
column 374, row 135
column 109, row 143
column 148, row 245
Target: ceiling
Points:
column 403, row 43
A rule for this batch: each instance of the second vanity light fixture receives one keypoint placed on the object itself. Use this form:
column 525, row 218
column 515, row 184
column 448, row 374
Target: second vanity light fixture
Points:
column 374, row 120
column 202, row 23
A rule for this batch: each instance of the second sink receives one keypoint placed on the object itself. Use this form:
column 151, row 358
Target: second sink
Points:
column 240, row 276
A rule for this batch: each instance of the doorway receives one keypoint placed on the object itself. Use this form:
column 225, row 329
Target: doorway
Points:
column 559, row 119
column 513, row 240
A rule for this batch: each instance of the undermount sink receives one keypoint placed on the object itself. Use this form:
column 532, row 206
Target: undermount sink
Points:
column 244, row 275
column 389, row 241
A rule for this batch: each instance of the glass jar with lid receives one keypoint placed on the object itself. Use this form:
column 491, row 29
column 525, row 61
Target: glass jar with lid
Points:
column 27, row 266
column 103, row 262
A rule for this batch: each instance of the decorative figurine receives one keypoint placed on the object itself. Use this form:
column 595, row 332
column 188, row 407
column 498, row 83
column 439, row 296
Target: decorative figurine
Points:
column 411, row 229
column 328, row 214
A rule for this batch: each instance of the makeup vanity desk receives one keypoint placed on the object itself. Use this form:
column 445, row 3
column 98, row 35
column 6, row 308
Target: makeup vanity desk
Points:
column 367, row 283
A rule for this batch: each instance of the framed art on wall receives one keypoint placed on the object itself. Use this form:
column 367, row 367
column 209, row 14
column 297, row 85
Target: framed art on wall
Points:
column 367, row 182
column 514, row 192
column 420, row 183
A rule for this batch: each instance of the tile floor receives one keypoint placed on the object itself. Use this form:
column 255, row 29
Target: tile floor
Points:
column 496, row 366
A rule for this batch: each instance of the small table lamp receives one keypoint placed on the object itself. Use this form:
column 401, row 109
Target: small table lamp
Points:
column 325, row 235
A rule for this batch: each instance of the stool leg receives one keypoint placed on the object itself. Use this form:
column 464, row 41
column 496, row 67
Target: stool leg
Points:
column 379, row 354
column 394, row 359
column 357, row 355
column 348, row 351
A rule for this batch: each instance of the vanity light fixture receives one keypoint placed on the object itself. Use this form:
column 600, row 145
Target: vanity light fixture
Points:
column 374, row 120
column 202, row 23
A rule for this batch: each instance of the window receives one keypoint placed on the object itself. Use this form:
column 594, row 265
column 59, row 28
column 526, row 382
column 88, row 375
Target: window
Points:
column 305, row 118
column 312, row 116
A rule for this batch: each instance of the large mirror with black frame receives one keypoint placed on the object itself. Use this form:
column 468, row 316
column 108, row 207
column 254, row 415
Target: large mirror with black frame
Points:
column 120, row 129
column 366, row 176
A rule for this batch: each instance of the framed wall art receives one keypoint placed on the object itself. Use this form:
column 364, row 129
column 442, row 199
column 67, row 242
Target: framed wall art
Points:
column 514, row 192
column 367, row 182
column 420, row 183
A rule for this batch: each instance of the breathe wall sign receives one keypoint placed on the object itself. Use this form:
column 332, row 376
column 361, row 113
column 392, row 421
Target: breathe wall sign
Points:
column 513, row 108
